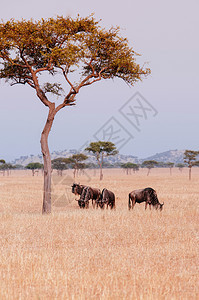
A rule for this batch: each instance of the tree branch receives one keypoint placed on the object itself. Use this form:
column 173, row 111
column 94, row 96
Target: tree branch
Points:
column 64, row 73
column 36, row 85
column 48, row 68
column 85, row 82
column 68, row 102
column 69, row 99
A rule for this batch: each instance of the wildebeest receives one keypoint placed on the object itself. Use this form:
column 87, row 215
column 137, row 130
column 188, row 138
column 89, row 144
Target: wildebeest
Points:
column 107, row 198
column 90, row 193
column 77, row 189
column 147, row 195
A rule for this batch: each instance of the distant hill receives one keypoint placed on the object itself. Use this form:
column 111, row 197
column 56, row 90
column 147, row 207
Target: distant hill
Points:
column 175, row 156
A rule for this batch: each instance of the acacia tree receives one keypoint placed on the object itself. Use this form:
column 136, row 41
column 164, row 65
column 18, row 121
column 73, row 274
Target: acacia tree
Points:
column 60, row 46
column 60, row 164
column 128, row 166
column 35, row 167
column 190, row 157
column 180, row 166
column 76, row 161
column 5, row 167
column 149, row 164
column 101, row 149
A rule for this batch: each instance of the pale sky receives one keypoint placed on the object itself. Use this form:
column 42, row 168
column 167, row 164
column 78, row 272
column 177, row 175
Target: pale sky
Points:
column 165, row 33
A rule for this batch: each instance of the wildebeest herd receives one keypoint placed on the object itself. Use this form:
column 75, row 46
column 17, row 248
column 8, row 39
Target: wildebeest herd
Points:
column 107, row 198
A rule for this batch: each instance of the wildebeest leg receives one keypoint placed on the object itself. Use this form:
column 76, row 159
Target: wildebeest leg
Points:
column 133, row 202
column 93, row 203
column 146, row 205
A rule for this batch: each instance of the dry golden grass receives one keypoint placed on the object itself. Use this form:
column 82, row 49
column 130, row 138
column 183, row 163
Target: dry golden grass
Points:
column 99, row 254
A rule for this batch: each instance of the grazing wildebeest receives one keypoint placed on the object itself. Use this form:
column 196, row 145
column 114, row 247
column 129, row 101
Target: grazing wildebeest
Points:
column 89, row 193
column 107, row 198
column 147, row 195
column 77, row 189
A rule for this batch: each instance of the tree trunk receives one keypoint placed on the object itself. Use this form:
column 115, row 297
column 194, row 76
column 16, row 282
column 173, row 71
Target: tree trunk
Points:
column 101, row 164
column 46, row 209
column 101, row 174
column 189, row 173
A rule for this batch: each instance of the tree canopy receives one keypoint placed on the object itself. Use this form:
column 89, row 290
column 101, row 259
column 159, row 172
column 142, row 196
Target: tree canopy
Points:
column 28, row 48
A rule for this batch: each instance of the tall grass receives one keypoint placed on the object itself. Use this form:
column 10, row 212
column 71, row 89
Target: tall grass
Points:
column 99, row 254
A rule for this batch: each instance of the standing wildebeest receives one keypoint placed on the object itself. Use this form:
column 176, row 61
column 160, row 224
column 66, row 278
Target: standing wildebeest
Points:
column 89, row 193
column 147, row 195
column 77, row 189
column 108, row 198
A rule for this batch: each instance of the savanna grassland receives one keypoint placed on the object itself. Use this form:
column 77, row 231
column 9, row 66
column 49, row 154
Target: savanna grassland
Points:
column 100, row 254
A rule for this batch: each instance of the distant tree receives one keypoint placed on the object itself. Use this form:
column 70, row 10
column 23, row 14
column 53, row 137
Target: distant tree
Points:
column 2, row 166
column 35, row 167
column 149, row 164
column 19, row 167
column 190, row 157
column 60, row 164
column 161, row 164
column 180, row 166
column 130, row 166
column 101, row 149
column 76, row 162
column 108, row 165
column 169, row 165
column 5, row 167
